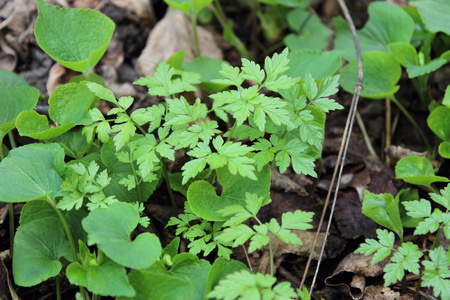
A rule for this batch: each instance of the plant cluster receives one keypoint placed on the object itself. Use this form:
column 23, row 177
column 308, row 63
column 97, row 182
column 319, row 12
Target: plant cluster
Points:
column 85, row 182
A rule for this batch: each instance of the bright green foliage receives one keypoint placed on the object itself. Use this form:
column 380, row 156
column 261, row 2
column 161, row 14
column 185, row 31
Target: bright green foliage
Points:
column 407, row 256
column 387, row 23
column 311, row 33
column 437, row 272
column 85, row 183
column 110, row 229
column 39, row 244
column 99, row 274
column 30, row 123
column 237, row 233
column 37, row 167
column 11, row 106
column 417, row 170
column 205, row 202
column 439, row 123
column 319, row 63
column 245, row 285
column 383, row 209
column 76, row 38
column 433, row 13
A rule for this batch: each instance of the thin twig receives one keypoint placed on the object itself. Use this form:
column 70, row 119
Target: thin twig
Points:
column 341, row 155
column 362, row 127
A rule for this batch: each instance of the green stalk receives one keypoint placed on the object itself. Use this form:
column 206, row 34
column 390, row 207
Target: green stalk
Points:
column 196, row 42
column 271, row 258
column 58, row 288
column 169, row 189
column 12, row 224
column 413, row 123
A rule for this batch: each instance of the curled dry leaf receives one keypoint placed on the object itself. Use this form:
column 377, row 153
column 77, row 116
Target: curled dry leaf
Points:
column 8, row 57
column 17, row 15
column 383, row 293
column 58, row 75
column 396, row 153
column 174, row 33
column 6, row 287
column 351, row 274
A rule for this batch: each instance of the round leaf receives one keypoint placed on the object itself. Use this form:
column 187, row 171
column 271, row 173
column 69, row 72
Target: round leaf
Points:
column 220, row 269
column 30, row 123
column 381, row 74
column 70, row 103
column 76, row 38
column 444, row 149
column 9, row 78
column 417, row 170
column 31, row 172
column 439, row 122
column 205, row 202
column 14, row 100
column 208, row 68
column 318, row 63
column 110, row 229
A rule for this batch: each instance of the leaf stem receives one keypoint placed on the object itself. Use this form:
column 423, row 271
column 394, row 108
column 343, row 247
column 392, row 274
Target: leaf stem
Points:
column 58, row 287
column 271, row 257
column 231, row 131
column 66, row 229
column 413, row 123
column 169, row 189
column 195, row 31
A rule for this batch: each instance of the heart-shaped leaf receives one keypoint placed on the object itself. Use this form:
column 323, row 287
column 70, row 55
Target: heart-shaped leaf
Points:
column 205, row 202
column 31, row 172
column 444, row 149
column 318, row 63
column 76, row 38
column 434, row 14
column 417, row 170
column 39, row 243
column 30, row 123
column 70, row 103
column 14, row 100
column 388, row 23
column 110, row 229
column 381, row 74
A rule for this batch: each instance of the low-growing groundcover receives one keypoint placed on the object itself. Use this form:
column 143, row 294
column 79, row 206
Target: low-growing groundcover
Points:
column 89, row 175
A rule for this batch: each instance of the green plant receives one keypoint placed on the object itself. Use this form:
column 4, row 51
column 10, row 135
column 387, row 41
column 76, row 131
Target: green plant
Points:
column 96, row 198
column 432, row 265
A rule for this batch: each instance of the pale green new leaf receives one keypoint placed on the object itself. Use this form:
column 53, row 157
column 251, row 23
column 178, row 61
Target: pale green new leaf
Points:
column 431, row 224
column 381, row 248
column 436, row 272
column 192, row 168
column 236, row 235
column 101, row 92
column 418, row 209
column 393, row 272
column 125, row 132
column 252, row 71
column 444, row 198
column 297, row 220
column 276, row 65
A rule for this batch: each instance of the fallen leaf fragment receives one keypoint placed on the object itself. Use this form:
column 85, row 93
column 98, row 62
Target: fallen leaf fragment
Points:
column 172, row 34
column 352, row 271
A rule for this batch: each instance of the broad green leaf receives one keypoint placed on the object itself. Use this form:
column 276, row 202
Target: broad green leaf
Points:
column 221, row 268
column 70, row 103
column 319, row 63
column 9, row 79
column 205, row 202
column 381, row 74
column 14, row 100
column 446, row 100
column 31, row 172
column 387, row 23
column 444, row 149
column 185, row 280
column 404, row 196
column 76, row 38
column 38, row 246
column 313, row 34
column 417, row 170
column 110, row 229
column 383, row 209
column 439, row 122
column 30, row 123
column 106, row 279
column 208, row 68
column 434, row 14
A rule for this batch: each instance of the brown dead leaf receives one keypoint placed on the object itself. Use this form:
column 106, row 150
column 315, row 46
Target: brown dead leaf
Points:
column 141, row 8
column 6, row 288
column 174, row 33
column 57, row 76
column 352, row 271
column 280, row 249
column 384, row 293
column 8, row 57
column 284, row 183
column 17, row 15
column 396, row 153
